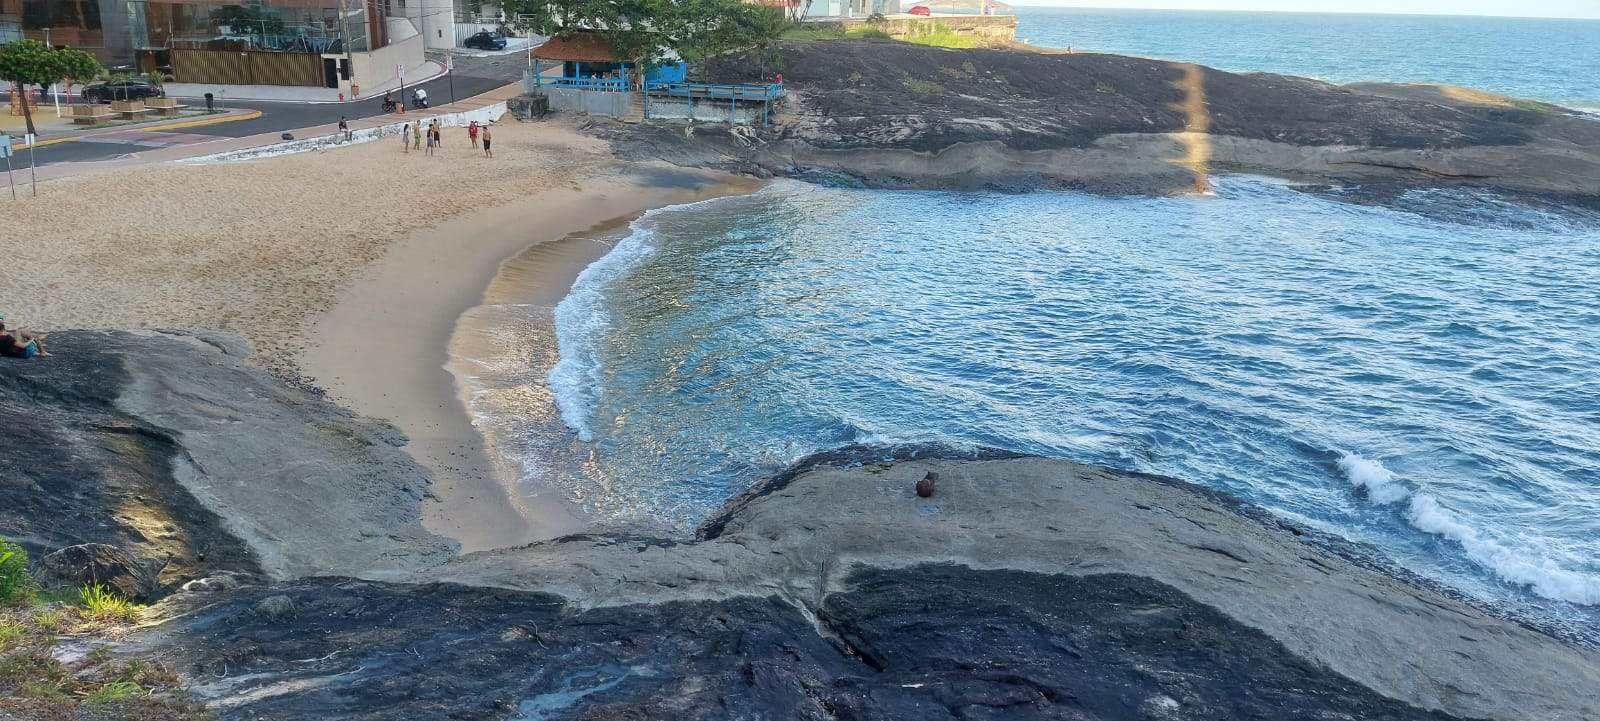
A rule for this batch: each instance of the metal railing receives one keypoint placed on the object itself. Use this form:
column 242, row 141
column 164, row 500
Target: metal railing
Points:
column 720, row 91
column 612, row 85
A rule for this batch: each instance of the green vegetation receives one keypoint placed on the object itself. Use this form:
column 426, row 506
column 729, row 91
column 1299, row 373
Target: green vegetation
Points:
column 30, row 62
column 867, row 34
column 115, row 691
column 939, row 36
column 36, row 684
column 100, row 604
column 649, row 31
column 922, row 86
column 16, row 586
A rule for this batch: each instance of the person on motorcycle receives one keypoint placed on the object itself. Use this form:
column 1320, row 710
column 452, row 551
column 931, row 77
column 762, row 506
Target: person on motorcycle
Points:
column 388, row 103
column 420, row 98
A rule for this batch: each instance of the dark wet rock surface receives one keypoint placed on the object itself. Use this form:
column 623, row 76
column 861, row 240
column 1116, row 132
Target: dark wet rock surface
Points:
column 930, row 642
column 76, row 469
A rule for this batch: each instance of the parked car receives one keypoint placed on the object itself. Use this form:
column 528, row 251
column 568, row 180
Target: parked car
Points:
column 920, row 10
column 134, row 89
column 485, row 40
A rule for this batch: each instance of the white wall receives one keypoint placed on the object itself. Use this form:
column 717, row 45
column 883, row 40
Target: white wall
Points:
column 378, row 68
column 438, row 23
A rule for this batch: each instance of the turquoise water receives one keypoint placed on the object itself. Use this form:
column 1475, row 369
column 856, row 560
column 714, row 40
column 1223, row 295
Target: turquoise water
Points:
column 1421, row 377
column 1556, row 61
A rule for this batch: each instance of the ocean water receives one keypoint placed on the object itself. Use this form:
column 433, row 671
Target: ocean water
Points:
column 1419, row 376
column 1556, row 61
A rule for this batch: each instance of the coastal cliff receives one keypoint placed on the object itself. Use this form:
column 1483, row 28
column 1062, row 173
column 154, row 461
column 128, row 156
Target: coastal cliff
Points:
column 903, row 115
column 1023, row 588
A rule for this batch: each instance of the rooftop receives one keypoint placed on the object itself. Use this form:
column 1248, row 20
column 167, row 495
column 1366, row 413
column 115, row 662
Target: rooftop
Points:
column 583, row 47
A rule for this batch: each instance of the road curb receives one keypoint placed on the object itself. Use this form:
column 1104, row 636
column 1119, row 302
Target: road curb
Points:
column 176, row 125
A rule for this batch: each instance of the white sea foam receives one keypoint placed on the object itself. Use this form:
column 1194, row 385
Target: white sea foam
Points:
column 1378, row 481
column 1425, row 513
column 582, row 320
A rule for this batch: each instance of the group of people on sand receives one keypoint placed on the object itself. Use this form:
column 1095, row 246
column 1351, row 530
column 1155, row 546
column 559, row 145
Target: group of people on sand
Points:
column 411, row 137
column 20, row 343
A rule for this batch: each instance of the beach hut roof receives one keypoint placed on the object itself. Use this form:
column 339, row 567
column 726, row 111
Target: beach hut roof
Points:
column 583, row 47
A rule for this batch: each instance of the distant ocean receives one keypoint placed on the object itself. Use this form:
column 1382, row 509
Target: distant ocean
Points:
column 1556, row 61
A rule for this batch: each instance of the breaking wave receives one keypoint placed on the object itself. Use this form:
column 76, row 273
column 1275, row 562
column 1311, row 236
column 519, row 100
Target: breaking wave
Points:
column 1524, row 568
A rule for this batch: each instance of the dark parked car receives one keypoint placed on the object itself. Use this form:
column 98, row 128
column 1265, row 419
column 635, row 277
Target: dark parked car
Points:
column 135, row 89
column 485, row 40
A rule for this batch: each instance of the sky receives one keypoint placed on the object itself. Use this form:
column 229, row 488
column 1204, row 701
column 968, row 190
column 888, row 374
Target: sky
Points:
column 1516, row 8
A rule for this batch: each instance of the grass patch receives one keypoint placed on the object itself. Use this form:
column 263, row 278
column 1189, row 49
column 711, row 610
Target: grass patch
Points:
column 51, row 620
column 115, row 691
column 100, row 604
column 922, row 86
column 16, row 585
column 867, row 34
column 940, row 36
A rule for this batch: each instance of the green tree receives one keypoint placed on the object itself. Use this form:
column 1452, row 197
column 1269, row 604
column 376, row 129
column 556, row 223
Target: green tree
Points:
column 30, row 62
column 78, row 66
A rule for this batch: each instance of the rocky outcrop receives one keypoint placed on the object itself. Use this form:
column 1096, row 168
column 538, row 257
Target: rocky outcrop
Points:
column 172, row 448
column 1021, row 588
column 97, row 563
column 903, row 115
column 1024, row 588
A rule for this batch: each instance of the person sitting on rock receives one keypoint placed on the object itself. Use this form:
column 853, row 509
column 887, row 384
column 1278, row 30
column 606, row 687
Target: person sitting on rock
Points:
column 19, row 344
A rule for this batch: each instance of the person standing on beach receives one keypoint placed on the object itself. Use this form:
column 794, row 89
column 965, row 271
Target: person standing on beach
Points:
column 431, row 140
column 487, row 138
column 472, row 133
column 405, row 138
column 416, row 136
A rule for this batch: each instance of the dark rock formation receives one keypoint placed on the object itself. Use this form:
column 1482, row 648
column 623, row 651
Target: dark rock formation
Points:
column 1025, row 588
column 76, row 469
column 903, row 115
column 172, row 448
column 919, row 644
column 98, row 563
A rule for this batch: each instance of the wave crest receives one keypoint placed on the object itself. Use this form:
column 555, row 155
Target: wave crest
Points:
column 1425, row 513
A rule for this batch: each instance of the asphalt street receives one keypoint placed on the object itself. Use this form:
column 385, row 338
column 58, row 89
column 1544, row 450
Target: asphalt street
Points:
column 471, row 77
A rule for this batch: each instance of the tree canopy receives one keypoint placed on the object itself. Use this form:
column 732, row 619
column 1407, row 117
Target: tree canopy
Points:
column 649, row 30
column 30, row 62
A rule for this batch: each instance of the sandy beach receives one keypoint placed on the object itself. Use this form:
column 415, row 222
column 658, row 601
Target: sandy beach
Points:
column 346, row 268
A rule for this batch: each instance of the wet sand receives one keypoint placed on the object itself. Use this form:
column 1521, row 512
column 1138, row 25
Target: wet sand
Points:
column 389, row 346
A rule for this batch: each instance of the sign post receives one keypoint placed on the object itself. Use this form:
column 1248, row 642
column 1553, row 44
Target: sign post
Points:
column 32, row 141
column 450, row 70
column 5, row 151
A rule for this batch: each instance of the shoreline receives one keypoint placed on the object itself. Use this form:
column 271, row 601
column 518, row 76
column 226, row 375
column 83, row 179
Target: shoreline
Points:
column 365, row 345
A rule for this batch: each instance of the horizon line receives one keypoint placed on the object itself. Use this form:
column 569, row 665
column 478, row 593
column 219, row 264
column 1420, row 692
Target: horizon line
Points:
column 1015, row 4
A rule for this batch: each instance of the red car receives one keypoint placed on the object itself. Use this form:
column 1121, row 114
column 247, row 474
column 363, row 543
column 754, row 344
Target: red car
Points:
column 920, row 10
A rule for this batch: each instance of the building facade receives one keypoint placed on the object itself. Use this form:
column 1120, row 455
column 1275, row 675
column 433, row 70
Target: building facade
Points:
column 325, row 43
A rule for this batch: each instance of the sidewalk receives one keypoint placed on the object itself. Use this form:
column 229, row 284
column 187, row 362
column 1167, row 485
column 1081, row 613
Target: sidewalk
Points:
column 296, row 94
column 53, row 130
column 225, row 144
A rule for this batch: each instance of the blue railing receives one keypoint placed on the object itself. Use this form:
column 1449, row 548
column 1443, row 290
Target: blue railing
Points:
column 722, row 91
column 614, row 85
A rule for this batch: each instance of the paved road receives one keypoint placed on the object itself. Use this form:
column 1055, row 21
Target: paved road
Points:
column 472, row 76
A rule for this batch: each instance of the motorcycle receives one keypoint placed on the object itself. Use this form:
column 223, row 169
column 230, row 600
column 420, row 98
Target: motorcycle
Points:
column 419, row 101
column 389, row 105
